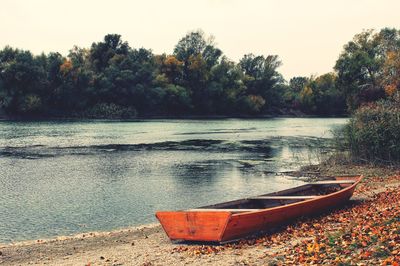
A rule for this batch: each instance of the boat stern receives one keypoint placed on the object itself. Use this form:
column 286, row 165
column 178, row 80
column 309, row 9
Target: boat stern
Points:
column 194, row 225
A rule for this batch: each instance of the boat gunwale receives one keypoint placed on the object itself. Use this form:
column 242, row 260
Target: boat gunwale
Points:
column 359, row 178
column 233, row 213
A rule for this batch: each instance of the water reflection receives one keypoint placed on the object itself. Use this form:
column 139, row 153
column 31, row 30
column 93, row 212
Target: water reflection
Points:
column 201, row 173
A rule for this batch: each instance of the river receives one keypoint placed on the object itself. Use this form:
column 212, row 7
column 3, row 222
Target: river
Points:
column 66, row 177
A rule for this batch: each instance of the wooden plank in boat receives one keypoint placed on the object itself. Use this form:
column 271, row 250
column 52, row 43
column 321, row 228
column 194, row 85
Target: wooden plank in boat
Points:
column 282, row 197
column 223, row 210
column 333, row 182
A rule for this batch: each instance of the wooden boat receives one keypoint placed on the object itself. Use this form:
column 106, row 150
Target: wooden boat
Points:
column 232, row 220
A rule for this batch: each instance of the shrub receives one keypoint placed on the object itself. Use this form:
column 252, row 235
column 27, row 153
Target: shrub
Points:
column 373, row 132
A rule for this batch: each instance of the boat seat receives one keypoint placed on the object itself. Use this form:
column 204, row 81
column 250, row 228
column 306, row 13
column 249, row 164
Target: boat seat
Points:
column 282, row 197
column 223, row 210
column 333, row 182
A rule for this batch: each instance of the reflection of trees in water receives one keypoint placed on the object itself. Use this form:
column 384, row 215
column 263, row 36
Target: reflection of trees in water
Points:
column 251, row 157
column 262, row 147
column 244, row 158
column 201, row 172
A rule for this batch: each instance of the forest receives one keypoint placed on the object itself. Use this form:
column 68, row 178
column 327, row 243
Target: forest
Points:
column 113, row 80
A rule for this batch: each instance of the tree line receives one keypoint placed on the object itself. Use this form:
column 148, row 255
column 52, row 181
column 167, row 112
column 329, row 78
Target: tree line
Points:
column 113, row 80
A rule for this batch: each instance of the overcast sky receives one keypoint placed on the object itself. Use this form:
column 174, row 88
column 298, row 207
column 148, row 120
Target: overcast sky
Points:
column 308, row 35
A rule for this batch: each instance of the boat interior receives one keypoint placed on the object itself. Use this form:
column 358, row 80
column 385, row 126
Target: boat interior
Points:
column 284, row 197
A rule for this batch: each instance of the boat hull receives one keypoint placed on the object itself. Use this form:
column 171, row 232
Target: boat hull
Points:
column 223, row 225
column 244, row 224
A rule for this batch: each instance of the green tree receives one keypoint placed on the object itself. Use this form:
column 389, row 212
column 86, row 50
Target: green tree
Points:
column 170, row 69
column 177, row 100
column 292, row 91
column 262, row 78
column 24, row 80
column 74, row 93
column 328, row 99
column 102, row 52
column 226, row 86
column 198, row 55
column 359, row 66
column 122, row 75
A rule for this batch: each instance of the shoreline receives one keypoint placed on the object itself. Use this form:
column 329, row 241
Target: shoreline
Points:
column 79, row 249
column 88, row 234
column 141, row 118
column 148, row 244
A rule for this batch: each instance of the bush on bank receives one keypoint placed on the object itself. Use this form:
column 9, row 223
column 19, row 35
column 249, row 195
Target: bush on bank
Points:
column 373, row 132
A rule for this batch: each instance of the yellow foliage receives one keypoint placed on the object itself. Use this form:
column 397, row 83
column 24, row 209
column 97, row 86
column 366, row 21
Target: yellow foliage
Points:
column 196, row 62
column 172, row 61
column 161, row 80
column 171, row 67
column 66, row 66
column 257, row 102
column 391, row 56
column 391, row 70
column 306, row 92
column 390, row 89
column 313, row 247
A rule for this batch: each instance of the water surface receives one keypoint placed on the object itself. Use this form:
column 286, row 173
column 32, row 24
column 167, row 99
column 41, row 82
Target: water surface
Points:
column 65, row 177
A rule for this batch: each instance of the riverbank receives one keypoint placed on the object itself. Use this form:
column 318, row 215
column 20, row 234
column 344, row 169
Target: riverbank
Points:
column 365, row 232
column 292, row 114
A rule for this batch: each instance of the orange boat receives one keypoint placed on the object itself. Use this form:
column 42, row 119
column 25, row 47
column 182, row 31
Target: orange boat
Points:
column 232, row 220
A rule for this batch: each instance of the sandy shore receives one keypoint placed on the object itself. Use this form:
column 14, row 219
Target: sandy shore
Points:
column 148, row 245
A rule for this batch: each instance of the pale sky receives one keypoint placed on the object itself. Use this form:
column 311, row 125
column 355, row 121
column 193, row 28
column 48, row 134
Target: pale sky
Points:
column 308, row 35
